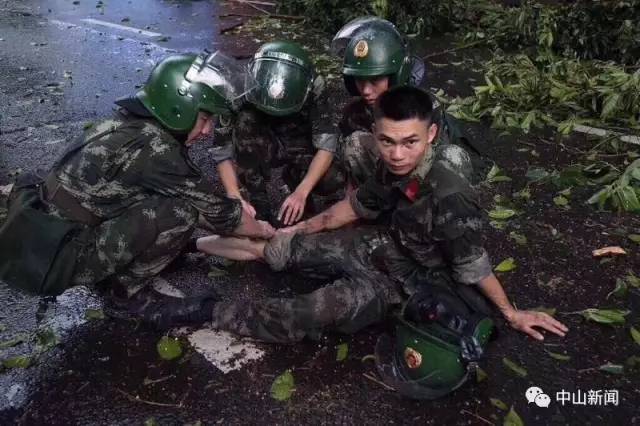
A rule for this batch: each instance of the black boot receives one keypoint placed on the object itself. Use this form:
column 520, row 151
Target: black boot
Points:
column 164, row 311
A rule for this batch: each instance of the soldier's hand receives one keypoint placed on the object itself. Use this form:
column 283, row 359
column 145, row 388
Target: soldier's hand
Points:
column 248, row 208
column 290, row 229
column 292, row 209
column 525, row 321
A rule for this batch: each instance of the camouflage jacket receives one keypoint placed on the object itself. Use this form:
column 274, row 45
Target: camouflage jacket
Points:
column 128, row 159
column 312, row 123
column 432, row 213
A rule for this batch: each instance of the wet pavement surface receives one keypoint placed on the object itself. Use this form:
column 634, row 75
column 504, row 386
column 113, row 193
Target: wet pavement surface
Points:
column 59, row 70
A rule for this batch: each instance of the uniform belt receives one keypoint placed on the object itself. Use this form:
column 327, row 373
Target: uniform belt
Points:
column 54, row 193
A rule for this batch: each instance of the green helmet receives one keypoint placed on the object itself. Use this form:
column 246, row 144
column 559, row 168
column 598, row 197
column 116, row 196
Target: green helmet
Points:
column 372, row 47
column 283, row 73
column 438, row 341
column 181, row 85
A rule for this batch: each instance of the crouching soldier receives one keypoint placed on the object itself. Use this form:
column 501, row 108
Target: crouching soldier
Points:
column 124, row 199
column 375, row 58
column 284, row 123
column 428, row 234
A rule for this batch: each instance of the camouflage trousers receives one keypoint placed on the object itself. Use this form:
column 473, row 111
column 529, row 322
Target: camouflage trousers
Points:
column 137, row 244
column 259, row 148
column 360, row 294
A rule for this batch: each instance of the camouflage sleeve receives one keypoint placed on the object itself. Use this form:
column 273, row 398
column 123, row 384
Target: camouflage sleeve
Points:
column 172, row 174
column 371, row 199
column 457, row 225
column 222, row 140
column 324, row 132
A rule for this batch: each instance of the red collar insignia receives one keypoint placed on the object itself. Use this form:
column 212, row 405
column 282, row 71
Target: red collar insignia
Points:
column 411, row 190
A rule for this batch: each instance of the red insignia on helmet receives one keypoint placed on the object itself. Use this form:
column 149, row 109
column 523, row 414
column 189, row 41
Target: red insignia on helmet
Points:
column 412, row 357
column 411, row 190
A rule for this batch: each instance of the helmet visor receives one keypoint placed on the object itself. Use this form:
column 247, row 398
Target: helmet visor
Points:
column 221, row 73
column 282, row 85
column 352, row 28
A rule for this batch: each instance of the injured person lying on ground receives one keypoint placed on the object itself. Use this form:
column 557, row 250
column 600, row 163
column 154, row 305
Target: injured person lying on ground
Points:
column 423, row 231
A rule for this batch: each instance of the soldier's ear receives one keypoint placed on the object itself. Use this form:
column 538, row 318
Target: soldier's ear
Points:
column 432, row 132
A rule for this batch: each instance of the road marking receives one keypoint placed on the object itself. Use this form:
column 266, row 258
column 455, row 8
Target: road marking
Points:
column 224, row 350
column 121, row 27
column 93, row 30
column 602, row 133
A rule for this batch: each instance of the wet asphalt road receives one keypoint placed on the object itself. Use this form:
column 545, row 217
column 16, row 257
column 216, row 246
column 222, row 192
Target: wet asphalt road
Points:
column 62, row 63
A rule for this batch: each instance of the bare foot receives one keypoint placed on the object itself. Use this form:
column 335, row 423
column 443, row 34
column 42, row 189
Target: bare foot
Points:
column 232, row 247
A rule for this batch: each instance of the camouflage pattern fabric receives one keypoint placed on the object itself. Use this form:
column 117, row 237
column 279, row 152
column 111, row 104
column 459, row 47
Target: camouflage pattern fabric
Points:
column 428, row 233
column 259, row 142
column 357, row 117
column 359, row 295
column 138, row 180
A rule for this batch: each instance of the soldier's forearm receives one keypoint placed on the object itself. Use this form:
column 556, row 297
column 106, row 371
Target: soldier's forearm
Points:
column 492, row 289
column 229, row 179
column 317, row 169
column 334, row 217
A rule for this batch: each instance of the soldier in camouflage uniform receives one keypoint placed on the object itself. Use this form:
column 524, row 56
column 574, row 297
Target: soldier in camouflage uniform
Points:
column 376, row 57
column 124, row 200
column 284, row 123
column 428, row 233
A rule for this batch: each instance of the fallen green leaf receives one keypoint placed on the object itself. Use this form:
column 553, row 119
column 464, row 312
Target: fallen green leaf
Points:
column 560, row 201
column 507, row 265
column 17, row 362
column 620, row 290
column 283, row 386
column 169, row 348
column 46, row 339
column 632, row 279
column 17, row 339
column 518, row 370
column 343, row 351
column 512, row 419
column 536, row 174
column 87, row 126
column 2, row 328
column 150, row 422
column 481, row 375
column 559, row 357
column 635, row 334
column 634, row 237
column 94, row 314
column 605, row 316
column 498, row 404
column 612, row 368
column 518, row 238
column 501, row 214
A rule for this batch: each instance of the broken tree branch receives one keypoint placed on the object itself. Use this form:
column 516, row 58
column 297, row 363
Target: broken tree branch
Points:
column 373, row 379
column 274, row 16
column 144, row 401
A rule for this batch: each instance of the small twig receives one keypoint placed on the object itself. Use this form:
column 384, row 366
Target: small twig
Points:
column 373, row 379
column 476, row 416
column 455, row 49
column 144, row 401
column 266, row 12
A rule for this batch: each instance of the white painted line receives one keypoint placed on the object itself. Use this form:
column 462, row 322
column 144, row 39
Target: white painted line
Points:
column 603, row 132
column 93, row 30
column 224, row 350
column 121, row 27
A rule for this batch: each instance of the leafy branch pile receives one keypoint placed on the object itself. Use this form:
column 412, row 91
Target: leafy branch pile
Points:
column 587, row 29
column 521, row 92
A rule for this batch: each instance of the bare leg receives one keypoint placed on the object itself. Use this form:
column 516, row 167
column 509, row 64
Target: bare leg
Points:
column 232, row 247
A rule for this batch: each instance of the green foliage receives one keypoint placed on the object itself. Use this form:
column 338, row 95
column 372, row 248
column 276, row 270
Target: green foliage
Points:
column 524, row 93
column 623, row 194
column 587, row 29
